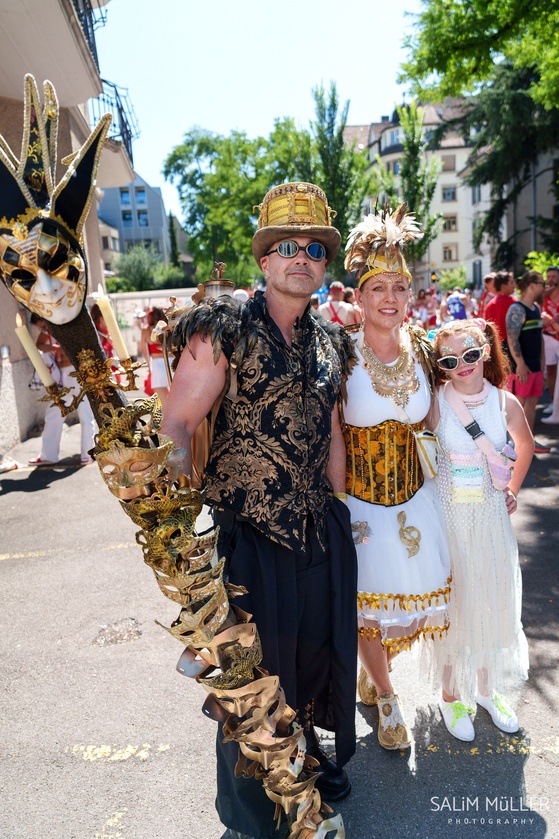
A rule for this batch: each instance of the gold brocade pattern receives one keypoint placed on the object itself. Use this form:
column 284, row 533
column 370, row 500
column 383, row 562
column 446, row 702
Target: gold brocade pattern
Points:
column 382, row 464
column 271, row 443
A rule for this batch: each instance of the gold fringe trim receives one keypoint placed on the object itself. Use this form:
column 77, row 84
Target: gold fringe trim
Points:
column 403, row 601
column 403, row 642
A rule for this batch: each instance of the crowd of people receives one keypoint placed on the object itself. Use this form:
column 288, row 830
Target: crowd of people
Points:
column 366, row 457
column 322, row 478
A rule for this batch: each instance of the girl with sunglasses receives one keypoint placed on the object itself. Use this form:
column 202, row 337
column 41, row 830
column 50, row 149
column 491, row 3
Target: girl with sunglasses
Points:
column 485, row 649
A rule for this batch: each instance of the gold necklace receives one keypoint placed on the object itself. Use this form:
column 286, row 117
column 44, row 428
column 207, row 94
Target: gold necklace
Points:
column 394, row 381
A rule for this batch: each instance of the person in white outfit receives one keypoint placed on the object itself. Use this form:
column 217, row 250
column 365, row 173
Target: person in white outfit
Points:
column 485, row 650
column 54, row 421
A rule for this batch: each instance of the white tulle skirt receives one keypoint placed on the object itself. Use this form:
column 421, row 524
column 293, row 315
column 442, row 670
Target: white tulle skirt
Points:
column 485, row 639
column 403, row 593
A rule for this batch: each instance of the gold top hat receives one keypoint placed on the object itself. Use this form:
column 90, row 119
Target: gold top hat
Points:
column 295, row 209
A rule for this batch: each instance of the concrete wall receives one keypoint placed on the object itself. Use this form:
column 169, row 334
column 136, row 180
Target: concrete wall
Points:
column 20, row 410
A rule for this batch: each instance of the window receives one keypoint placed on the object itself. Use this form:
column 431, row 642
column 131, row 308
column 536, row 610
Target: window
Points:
column 396, row 167
column 125, row 197
column 114, row 243
column 449, row 193
column 450, row 253
column 476, row 273
column 450, row 223
column 449, row 162
column 105, row 243
column 476, row 194
column 390, row 138
column 143, row 218
column 126, row 218
column 141, row 195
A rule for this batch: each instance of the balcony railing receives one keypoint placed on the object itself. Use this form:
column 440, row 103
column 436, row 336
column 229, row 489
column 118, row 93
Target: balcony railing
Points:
column 90, row 21
column 124, row 126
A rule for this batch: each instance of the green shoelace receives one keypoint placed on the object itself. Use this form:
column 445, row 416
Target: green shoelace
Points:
column 500, row 703
column 459, row 711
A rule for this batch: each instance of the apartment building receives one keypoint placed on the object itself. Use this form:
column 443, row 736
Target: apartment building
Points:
column 460, row 205
column 136, row 210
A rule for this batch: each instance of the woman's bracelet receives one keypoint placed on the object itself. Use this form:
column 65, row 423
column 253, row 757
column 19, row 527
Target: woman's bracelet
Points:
column 341, row 495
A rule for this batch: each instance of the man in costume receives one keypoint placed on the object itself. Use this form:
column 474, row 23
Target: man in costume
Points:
column 273, row 373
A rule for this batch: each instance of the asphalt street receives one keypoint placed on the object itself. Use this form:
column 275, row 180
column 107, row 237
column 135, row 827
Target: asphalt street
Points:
column 101, row 738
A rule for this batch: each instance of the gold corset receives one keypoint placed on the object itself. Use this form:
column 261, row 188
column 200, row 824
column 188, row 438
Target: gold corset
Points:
column 382, row 465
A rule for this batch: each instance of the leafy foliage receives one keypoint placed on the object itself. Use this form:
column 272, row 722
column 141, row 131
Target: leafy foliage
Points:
column 222, row 180
column 342, row 170
column 457, row 43
column 540, row 260
column 507, row 132
column 452, row 278
column 418, row 178
column 137, row 269
column 174, row 247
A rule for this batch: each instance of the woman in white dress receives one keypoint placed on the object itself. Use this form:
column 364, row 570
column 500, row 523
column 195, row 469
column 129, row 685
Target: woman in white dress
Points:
column 485, row 650
column 403, row 562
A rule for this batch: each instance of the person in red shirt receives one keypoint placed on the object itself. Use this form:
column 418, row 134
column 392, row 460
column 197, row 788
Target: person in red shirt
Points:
column 496, row 309
column 550, row 317
column 488, row 293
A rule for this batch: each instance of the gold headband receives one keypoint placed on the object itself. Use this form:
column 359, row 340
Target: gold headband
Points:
column 392, row 271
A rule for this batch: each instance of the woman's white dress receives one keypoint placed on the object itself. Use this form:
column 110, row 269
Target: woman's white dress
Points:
column 401, row 596
column 485, row 604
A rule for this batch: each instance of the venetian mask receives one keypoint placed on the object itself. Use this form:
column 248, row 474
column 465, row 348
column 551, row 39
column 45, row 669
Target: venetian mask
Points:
column 44, row 272
column 128, row 470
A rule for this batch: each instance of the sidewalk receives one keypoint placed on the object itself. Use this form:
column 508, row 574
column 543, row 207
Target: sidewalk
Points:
column 109, row 742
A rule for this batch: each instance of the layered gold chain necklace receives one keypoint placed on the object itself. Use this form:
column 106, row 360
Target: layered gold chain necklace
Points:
column 395, row 381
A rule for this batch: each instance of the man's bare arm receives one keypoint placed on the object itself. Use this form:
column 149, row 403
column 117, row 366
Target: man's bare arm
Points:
column 336, row 463
column 197, row 383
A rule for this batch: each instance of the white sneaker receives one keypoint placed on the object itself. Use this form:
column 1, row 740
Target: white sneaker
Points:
column 549, row 419
column 456, row 717
column 500, row 711
column 548, row 410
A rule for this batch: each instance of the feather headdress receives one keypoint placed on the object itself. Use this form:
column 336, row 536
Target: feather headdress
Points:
column 377, row 244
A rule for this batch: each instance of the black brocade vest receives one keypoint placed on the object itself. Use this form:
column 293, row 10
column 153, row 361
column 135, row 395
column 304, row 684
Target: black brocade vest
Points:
column 271, row 443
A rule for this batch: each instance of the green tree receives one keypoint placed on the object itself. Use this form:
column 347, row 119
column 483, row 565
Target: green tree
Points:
column 452, row 278
column 418, row 178
column 221, row 179
column 172, row 276
column 175, row 255
column 540, row 260
column 342, row 172
column 507, row 132
column 457, row 43
column 137, row 268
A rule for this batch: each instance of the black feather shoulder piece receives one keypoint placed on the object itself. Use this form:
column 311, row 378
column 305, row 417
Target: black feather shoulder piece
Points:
column 342, row 343
column 225, row 322
column 423, row 351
